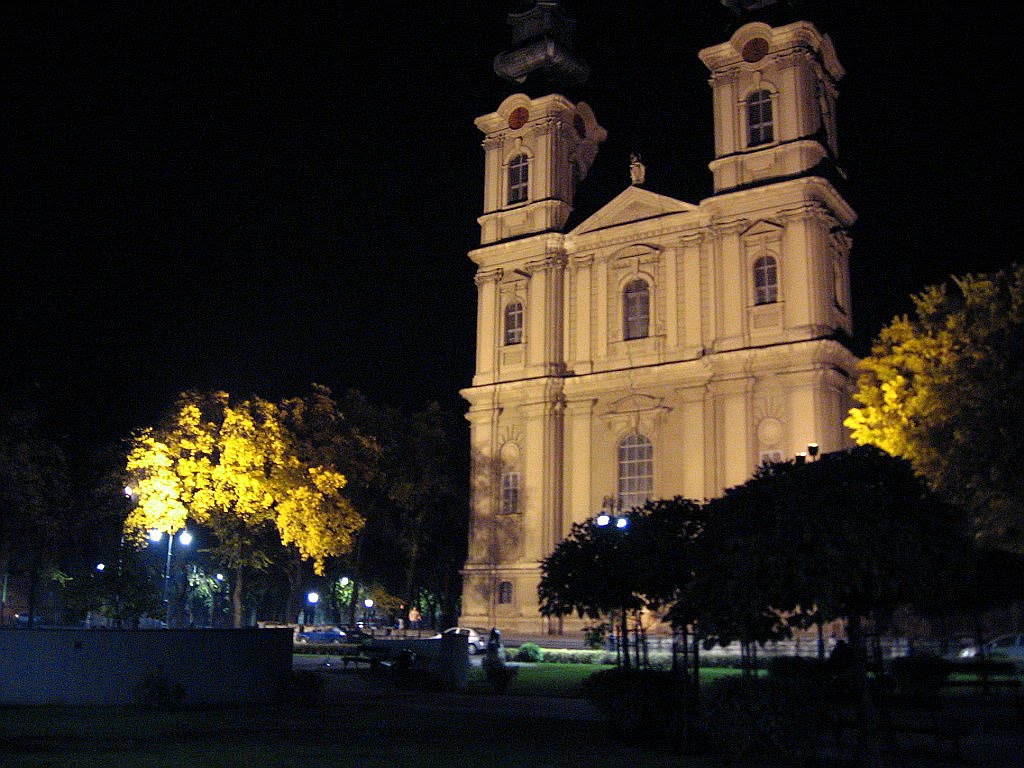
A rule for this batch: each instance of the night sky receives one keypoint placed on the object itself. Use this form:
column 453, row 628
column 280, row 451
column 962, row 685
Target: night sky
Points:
column 257, row 197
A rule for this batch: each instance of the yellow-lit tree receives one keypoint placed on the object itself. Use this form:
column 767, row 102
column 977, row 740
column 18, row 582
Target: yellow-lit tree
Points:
column 945, row 390
column 237, row 469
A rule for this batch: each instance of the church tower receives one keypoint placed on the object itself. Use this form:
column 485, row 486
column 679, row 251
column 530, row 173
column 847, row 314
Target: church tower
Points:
column 657, row 348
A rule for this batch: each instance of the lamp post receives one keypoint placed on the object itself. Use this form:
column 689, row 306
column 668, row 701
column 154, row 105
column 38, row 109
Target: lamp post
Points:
column 367, row 605
column 312, row 598
column 611, row 517
column 185, row 538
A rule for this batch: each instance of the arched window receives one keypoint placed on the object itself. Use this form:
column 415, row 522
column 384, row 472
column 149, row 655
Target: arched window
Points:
column 514, row 323
column 766, row 280
column 636, row 471
column 510, row 493
column 759, row 119
column 518, row 179
column 505, row 593
column 636, row 310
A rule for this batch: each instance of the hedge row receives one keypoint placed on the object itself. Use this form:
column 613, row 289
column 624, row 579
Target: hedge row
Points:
column 528, row 652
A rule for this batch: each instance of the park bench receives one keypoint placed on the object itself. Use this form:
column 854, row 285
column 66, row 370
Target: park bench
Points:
column 347, row 653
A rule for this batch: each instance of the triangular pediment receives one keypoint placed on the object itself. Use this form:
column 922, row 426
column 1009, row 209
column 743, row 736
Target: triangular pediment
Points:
column 630, row 206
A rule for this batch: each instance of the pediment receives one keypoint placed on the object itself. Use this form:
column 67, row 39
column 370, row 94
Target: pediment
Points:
column 635, row 412
column 630, row 206
column 635, row 403
column 763, row 227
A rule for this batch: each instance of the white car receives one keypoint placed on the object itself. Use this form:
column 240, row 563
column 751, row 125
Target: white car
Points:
column 1002, row 647
column 476, row 638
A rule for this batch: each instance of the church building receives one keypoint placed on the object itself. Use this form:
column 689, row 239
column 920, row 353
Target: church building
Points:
column 658, row 348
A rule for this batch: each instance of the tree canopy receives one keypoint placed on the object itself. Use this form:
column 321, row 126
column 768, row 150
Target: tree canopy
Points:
column 945, row 390
column 854, row 534
column 244, row 471
column 34, row 510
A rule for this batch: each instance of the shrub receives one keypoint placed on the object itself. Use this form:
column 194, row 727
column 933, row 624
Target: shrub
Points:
column 529, row 652
column 644, row 706
column 499, row 674
column 596, row 636
column 764, row 721
column 574, row 656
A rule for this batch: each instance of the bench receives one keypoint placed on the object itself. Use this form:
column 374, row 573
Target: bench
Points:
column 346, row 653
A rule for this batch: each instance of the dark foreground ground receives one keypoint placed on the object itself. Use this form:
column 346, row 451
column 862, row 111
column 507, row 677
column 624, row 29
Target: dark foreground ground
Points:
column 364, row 721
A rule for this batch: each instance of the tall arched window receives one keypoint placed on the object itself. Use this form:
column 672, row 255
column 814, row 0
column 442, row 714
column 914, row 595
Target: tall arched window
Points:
column 766, row 280
column 636, row 471
column 514, row 322
column 760, row 128
column 518, row 179
column 636, row 310
column 510, row 493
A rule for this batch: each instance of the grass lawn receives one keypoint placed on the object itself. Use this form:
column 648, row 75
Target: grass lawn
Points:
column 377, row 728
column 564, row 679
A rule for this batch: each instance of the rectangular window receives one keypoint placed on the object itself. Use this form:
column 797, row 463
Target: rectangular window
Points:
column 759, row 119
column 636, row 310
column 510, row 493
column 518, row 179
column 636, row 471
column 766, row 280
column 514, row 323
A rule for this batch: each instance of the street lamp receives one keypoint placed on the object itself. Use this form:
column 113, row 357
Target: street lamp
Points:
column 184, row 538
column 367, row 605
column 611, row 516
column 313, row 598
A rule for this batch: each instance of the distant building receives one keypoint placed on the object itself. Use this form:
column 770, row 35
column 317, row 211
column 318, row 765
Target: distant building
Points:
column 659, row 347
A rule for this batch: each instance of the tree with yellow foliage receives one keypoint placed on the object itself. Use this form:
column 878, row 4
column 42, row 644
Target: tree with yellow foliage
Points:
column 237, row 468
column 945, row 390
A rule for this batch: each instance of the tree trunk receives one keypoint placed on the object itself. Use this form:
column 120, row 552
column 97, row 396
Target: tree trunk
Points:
column 33, row 588
column 624, row 637
column 236, row 598
column 696, row 663
column 414, row 557
column 869, row 753
column 293, row 573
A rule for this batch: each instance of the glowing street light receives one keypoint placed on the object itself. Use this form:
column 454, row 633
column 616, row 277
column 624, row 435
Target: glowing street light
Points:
column 185, row 538
column 312, row 598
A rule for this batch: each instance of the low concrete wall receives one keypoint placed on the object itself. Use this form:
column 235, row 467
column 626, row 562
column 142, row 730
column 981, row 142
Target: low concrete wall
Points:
column 110, row 666
column 445, row 658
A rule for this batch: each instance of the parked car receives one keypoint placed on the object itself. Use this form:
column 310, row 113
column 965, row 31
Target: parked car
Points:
column 1001, row 647
column 331, row 635
column 357, row 634
column 477, row 638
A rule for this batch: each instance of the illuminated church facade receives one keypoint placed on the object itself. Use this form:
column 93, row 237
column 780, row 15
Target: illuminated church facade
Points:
column 658, row 348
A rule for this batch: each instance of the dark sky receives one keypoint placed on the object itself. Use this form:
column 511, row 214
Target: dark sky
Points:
column 258, row 196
